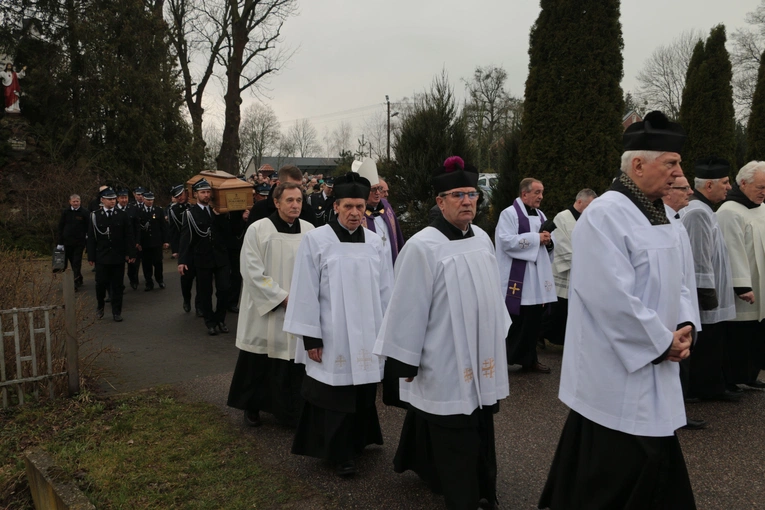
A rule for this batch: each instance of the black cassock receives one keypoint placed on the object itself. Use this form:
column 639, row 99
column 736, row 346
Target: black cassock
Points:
column 271, row 385
column 337, row 422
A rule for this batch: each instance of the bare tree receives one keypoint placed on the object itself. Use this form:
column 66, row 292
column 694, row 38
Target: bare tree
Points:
column 197, row 32
column 250, row 55
column 303, row 138
column 212, row 139
column 237, row 37
column 259, row 134
column 745, row 55
column 488, row 112
column 662, row 79
column 376, row 131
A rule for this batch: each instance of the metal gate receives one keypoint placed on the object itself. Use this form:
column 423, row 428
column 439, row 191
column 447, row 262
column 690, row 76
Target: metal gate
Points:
column 28, row 354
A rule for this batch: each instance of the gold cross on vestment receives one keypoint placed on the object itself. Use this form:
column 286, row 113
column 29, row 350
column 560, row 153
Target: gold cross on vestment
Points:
column 515, row 288
column 488, row 368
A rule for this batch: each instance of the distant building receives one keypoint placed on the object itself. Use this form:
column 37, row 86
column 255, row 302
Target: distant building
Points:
column 630, row 119
column 311, row 166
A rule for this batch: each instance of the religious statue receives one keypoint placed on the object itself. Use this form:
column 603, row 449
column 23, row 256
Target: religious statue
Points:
column 12, row 89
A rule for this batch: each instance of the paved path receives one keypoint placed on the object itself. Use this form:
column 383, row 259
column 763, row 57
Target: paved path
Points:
column 158, row 343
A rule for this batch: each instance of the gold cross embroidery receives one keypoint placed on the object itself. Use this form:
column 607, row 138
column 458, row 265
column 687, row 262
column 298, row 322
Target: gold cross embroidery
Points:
column 487, row 369
column 340, row 361
column 468, row 375
column 515, row 288
column 364, row 359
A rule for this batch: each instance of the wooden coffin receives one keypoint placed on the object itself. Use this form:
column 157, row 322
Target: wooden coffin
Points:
column 228, row 192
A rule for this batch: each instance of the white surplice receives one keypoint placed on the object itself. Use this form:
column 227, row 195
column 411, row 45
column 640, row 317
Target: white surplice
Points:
column 266, row 263
column 339, row 293
column 744, row 233
column 538, row 286
column 447, row 316
column 627, row 297
column 561, row 264
column 689, row 267
column 710, row 257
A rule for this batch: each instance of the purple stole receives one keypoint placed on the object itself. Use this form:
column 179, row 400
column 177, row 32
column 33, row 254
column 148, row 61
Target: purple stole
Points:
column 518, row 267
column 396, row 237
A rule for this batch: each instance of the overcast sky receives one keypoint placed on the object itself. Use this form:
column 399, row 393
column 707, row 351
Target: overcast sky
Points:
column 350, row 54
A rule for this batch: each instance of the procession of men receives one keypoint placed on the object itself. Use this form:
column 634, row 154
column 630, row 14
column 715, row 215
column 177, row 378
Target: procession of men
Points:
column 654, row 288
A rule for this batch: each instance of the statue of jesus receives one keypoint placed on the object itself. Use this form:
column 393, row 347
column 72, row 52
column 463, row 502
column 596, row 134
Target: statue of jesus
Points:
column 12, row 89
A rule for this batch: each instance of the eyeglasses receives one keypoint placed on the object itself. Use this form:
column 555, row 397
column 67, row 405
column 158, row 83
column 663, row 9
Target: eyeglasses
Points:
column 460, row 195
column 378, row 189
column 684, row 188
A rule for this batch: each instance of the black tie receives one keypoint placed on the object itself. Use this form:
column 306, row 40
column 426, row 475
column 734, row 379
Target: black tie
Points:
column 109, row 213
column 209, row 212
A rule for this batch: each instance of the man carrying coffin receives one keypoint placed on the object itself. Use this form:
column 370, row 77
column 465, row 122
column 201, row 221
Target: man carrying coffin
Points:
column 714, row 280
column 554, row 325
column 742, row 221
column 266, row 377
column 340, row 289
column 629, row 324
column 444, row 333
column 203, row 248
column 524, row 255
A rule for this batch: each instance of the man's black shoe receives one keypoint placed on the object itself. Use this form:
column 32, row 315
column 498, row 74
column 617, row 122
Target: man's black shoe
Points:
column 212, row 331
column 233, row 309
column 148, row 288
column 252, row 419
column 161, row 285
column 757, row 384
column 99, row 313
column 117, row 317
column 200, row 313
column 346, row 468
column 726, row 396
column 134, row 285
column 222, row 327
column 695, row 424
column 186, row 306
column 733, row 388
column 108, row 299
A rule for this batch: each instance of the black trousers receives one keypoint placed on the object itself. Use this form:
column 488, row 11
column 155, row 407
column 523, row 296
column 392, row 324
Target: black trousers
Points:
column 73, row 256
column 110, row 276
column 134, row 267
column 705, row 365
column 187, row 282
column 152, row 265
column 235, row 287
column 554, row 323
column 205, row 277
column 745, row 351
column 522, row 337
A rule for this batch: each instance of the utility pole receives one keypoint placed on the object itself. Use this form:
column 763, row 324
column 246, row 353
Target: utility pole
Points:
column 387, row 100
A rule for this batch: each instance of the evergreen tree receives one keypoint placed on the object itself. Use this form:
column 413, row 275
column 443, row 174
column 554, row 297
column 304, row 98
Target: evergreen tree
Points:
column 707, row 113
column 571, row 134
column 431, row 131
column 755, row 131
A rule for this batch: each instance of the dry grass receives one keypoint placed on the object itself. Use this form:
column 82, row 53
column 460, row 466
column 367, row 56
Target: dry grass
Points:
column 145, row 450
column 27, row 282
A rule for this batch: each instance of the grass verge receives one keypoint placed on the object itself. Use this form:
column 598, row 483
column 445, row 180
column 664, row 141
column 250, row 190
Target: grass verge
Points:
column 140, row 451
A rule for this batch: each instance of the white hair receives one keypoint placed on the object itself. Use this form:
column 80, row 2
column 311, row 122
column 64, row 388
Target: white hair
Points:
column 646, row 156
column 586, row 194
column 747, row 171
column 73, row 197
